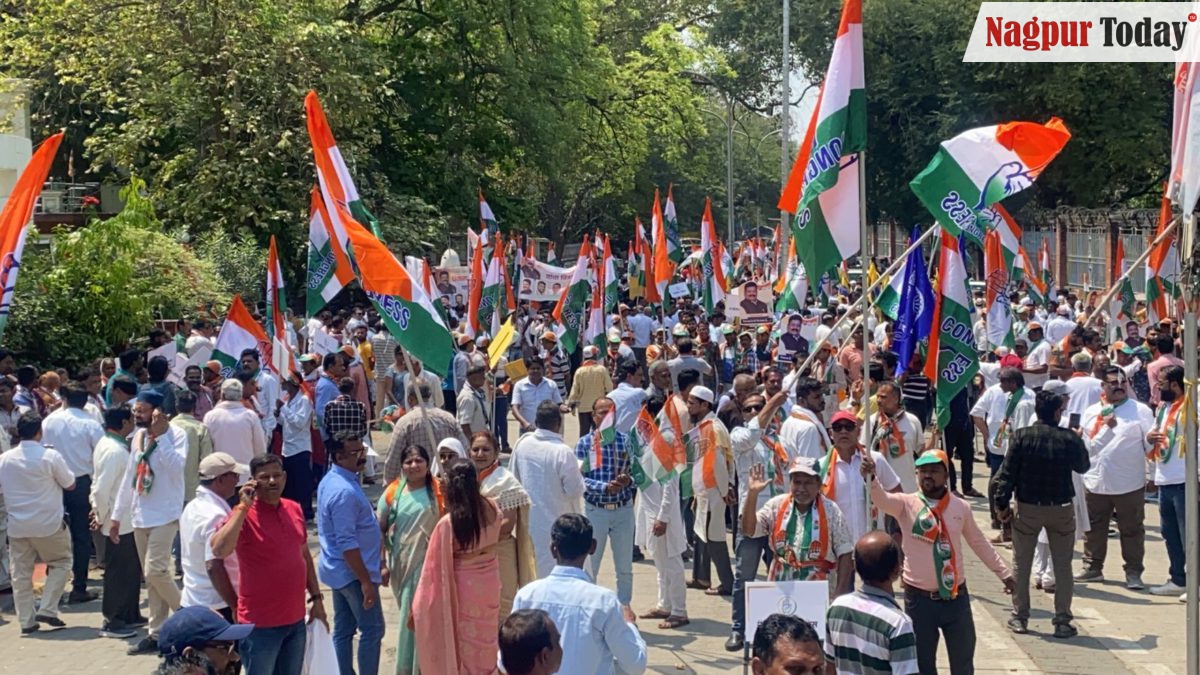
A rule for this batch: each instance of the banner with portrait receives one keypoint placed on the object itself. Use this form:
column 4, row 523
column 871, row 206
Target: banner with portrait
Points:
column 452, row 285
column 543, row 282
column 752, row 303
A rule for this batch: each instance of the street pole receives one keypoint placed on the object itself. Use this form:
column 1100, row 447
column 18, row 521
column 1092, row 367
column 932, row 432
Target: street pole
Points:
column 785, row 108
column 729, row 165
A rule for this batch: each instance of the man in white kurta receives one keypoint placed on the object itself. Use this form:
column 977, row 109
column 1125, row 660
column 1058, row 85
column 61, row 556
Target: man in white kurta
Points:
column 712, row 479
column 842, row 476
column 660, row 533
column 547, row 469
column 803, row 433
column 894, row 433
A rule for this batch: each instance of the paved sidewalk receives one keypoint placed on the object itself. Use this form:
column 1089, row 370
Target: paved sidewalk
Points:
column 1120, row 631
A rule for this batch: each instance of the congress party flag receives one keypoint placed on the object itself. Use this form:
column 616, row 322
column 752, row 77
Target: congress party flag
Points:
column 488, row 229
column 239, row 333
column 999, row 312
column 1162, row 269
column 332, row 172
column 611, row 283
column 982, row 166
column 475, row 318
column 406, row 309
column 570, row 308
column 711, row 260
column 1125, row 298
column 653, row 457
column 791, row 290
column 952, row 361
column 492, row 295
column 671, row 224
column 280, row 358
column 663, row 267
column 917, row 302
column 329, row 269
column 604, row 434
column 14, row 219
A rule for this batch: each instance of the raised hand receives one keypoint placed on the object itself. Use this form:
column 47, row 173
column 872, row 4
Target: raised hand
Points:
column 758, row 479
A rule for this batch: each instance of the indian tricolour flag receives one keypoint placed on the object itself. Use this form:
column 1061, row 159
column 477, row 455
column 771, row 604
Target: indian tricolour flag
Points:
column 332, row 173
column 406, row 309
column 570, row 308
column 492, row 294
column 671, row 225
column 1162, row 270
column 823, row 188
column 663, row 266
column 713, row 284
column 980, row 167
column 999, row 313
column 239, row 333
column 791, row 289
column 611, row 283
column 604, row 434
column 652, row 457
column 952, row 361
column 329, row 269
column 1124, row 302
column 475, row 288
column 16, row 216
column 1035, row 283
column 593, row 333
column 889, row 298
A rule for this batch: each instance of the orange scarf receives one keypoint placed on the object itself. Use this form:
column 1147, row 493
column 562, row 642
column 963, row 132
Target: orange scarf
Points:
column 814, row 565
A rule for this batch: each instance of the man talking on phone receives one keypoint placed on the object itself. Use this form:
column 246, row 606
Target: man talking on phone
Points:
column 275, row 569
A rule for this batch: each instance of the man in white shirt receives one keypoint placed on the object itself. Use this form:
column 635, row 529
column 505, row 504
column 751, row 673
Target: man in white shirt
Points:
column 595, row 635
column 895, row 433
column 1002, row 409
column 1115, row 432
column 74, row 434
column 235, row 429
column 1060, row 326
column 547, row 467
column 295, row 415
column 200, row 339
column 122, row 569
column 687, row 360
column 151, row 496
column 268, row 389
column 209, row 581
column 1083, row 389
column 843, row 479
column 1164, row 446
column 32, row 479
column 1037, row 361
column 643, row 325
column 803, row 433
column 418, row 374
column 529, row 392
column 628, row 396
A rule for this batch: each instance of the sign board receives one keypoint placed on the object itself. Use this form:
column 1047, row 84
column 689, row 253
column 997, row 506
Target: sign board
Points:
column 543, row 282
column 807, row 600
column 751, row 303
column 679, row 290
column 452, row 285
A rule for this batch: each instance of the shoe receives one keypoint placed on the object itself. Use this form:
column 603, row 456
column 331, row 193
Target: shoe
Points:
column 137, row 623
column 117, row 633
column 698, row 585
column 1048, row 589
column 1065, row 630
column 638, row 556
column 29, row 630
column 1018, row 626
column 80, row 597
column 1089, row 575
column 51, row 622
column 972, row 492
column 719, row 590
column 1169, row 588
column 736, row 642
column 1183, row 597
column 146, row 645
column 1134, row 582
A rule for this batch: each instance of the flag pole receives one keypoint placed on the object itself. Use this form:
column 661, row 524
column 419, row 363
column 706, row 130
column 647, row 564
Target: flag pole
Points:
column 1191, row 488
column 1141, row 259
column 865, row 300
column 812, row 350
column 421, row 406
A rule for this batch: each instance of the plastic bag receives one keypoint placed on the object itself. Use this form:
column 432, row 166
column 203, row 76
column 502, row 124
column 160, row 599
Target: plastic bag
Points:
column 319, row 657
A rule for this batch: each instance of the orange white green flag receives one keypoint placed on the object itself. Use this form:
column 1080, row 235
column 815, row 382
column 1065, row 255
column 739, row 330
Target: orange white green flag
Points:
column 570, row 310
column 281, row 358
column 239, row 333
column 406, row 309
column 603, row 435
column 711, row 258
column 981, row 167
column 332, row 172
column 329, row 269
column 663, row 267
column 1162, row 269
column 653, row 458
column 15, row 218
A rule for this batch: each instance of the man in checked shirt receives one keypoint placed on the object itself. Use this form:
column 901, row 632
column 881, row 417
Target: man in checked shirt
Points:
column 608, row 493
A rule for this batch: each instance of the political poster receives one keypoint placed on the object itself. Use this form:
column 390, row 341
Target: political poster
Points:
column 751, row 303
column 807, row 600
column 543, row 282
column 452, row 285
column 796, row 335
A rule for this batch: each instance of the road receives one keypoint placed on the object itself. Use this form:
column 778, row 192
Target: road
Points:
column 1120, row 631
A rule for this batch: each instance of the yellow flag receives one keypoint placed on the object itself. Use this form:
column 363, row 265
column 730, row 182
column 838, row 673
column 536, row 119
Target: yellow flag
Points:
column 500, row 343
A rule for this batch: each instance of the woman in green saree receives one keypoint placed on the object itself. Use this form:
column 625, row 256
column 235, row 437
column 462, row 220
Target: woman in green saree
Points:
column 407, row 512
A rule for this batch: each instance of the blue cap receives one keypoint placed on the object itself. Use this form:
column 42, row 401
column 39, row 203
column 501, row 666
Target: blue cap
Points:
column 152, row 397
column 194, row 627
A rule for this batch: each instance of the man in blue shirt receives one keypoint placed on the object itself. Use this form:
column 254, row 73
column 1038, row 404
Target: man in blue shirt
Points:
column 608, row 493
column 597, row 636
column 350, row 556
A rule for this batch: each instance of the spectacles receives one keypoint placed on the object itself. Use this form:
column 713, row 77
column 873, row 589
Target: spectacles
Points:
column 844, row 426
column 753, row 408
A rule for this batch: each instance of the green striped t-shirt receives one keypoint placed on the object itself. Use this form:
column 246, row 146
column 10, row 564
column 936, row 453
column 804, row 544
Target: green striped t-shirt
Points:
column 867, row 633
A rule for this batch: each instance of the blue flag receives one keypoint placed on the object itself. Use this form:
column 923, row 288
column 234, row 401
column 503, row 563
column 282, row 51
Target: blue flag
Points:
column 916, row 306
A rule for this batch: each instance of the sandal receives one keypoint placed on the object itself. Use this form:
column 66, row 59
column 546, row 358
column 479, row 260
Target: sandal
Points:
column 656, row 614
column 699, row 585
column 674, row 622
column 717, row 590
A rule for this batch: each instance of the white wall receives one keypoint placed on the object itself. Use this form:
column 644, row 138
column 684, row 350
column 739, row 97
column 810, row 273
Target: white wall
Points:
column 15, row 145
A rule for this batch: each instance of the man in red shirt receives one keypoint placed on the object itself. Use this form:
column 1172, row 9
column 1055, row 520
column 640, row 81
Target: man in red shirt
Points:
column 275, row 568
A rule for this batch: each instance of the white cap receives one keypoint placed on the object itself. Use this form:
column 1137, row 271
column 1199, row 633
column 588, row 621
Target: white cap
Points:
column 704, row 394
column 1056, row 387
column 218, row 464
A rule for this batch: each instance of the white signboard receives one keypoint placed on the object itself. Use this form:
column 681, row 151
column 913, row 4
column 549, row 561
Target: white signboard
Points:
column 807, row 600
column 679, row 290
column 542, row 282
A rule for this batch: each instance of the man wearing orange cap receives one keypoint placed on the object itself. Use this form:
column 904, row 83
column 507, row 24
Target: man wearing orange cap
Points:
column 934, row 522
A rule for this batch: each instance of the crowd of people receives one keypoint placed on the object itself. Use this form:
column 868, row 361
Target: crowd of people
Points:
column 814, row 450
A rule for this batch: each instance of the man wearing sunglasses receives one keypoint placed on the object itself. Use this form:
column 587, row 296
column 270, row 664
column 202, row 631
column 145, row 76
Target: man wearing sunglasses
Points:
column 1114, row 431
column 197, row 640
column 803, row 433
column 843, row 480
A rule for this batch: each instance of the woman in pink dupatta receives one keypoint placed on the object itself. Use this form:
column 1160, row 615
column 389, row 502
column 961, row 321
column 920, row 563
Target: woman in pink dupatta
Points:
column 457, row 604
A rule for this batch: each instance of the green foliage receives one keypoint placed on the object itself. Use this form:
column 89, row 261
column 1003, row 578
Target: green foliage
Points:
column 239, row 262
column 102, row 285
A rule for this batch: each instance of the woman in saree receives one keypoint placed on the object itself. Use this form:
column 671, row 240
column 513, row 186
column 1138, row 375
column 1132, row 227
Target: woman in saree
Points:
column 407, row 512
column 518, row 564
column 456, row 608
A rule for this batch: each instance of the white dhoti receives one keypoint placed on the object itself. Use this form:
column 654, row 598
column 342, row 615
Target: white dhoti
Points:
column 659, row 502
column 1043, row 568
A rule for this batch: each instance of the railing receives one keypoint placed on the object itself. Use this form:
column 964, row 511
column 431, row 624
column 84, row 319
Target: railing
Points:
column 65, row 197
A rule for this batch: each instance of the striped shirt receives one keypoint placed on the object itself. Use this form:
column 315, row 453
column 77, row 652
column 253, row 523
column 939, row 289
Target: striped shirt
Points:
column 614, row 461
column 868, row 633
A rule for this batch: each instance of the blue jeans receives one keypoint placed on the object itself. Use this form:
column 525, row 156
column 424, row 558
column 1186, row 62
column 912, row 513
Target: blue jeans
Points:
column 749, row 550
column 616, row 525
column 500, row 422
column 274, row 651
column 348, row 617
column 1171, row 510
